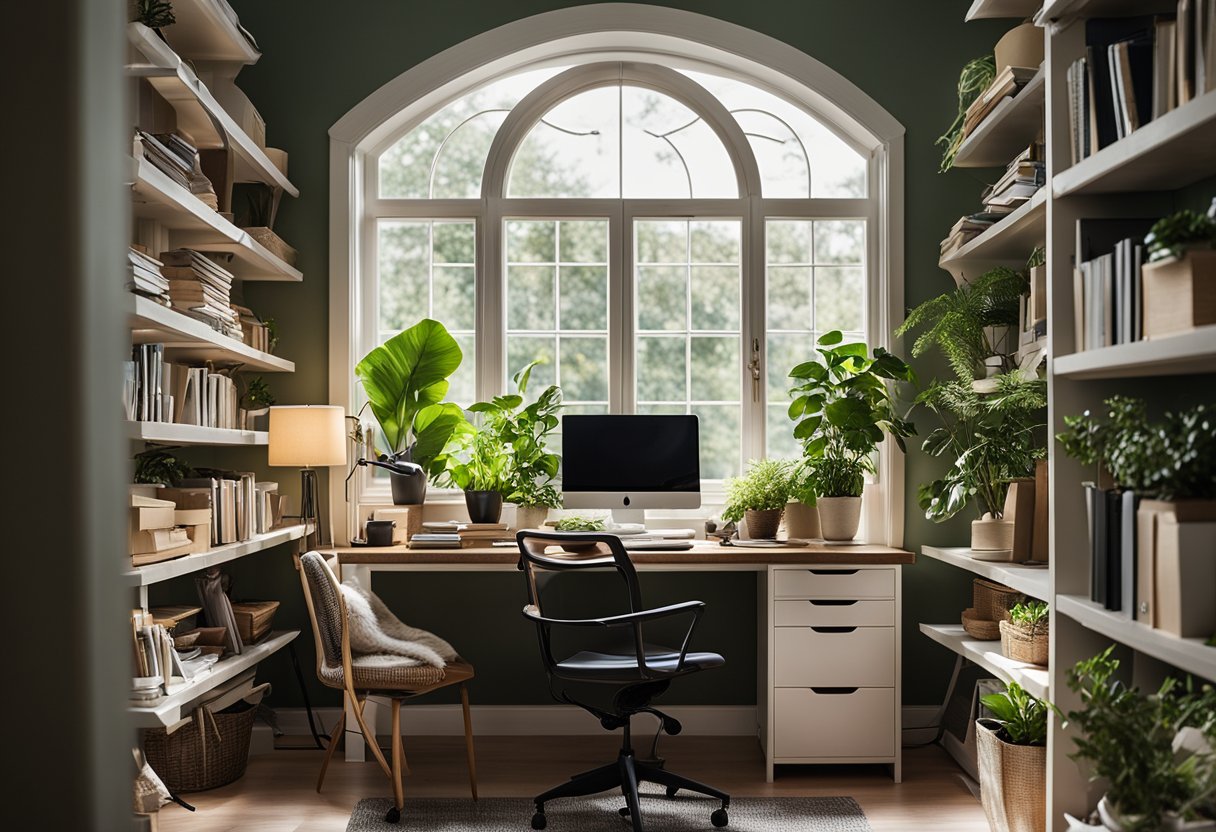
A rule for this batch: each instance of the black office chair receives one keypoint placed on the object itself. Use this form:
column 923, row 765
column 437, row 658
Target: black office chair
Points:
column 640, row 670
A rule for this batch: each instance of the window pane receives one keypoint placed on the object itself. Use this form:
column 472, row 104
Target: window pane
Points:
column 659, row 241
column 720, row 429
column 573, row 151
column 840, row 298
column 453, row 303
column 584, row 365
column 785, row 352
column 669, row 151
column 715, row 369
column 788, row 241
column 663, row 296
column 715, row 297
column 584, row 293
column 524, row 349
column 583, row 241
column 530, row 300
column 840, row 241
column 789, row 297
column 780, row 437
column 715, row 242
column 661, row 369
column 405, row 274
column 530, row 242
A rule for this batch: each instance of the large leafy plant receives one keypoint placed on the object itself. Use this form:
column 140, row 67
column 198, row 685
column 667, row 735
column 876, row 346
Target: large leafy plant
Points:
column 841, row 407
column 765, row 487
column 1022, row 717
column 406, row 381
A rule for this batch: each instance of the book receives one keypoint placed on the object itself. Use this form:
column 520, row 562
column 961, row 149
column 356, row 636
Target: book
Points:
column 429, row 540
column 1100, row 35
column 1095, row 500
column 1127, row 553
column 1112, row 552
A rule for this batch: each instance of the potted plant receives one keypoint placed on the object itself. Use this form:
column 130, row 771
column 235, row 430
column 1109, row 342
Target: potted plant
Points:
column 1180, row 276
column 1154, row 752
column 801, row 512
column 1012, row 756
column 159, row 467
column 476, row 464
column 406, row 379
column 842, row 407
column 1024, row 633
column 759, row 497
column 257, row 402
column 976, row 76
column 526, row 431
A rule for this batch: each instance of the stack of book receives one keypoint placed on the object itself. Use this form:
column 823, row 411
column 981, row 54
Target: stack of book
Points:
column 1024, row 176
column 155, row 390
column 158, row 662
column 178, row 159
column 1107, row 282
column 154, row 535
column 146, row 278
column 255, row 332
column 145, row 385
column 482, row 534
column 234, row 499
column 1136, row 69
column 967, row 229
column 1006, row 85
column 437, row 535
column 200, row 287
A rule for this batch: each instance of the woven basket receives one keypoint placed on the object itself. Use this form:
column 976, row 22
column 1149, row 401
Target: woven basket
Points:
column 209, row 752
column 992, row 600
column 981, row 628
column 1018, row 645
column 1013, row 782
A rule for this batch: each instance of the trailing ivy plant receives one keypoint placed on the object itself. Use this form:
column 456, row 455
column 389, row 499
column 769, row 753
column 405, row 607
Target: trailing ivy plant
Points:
column 976, row 76
column 1176, row 234
column 1022, row 717
column 765, row 487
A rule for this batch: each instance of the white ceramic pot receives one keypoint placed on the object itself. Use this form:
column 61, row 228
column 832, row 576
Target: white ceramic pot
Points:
column 992, row 539
column 530, row 517
column 801, row 521
column 839, row 517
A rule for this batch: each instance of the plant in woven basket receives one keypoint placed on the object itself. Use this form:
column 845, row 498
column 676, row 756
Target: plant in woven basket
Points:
column 1021, row 716
column 1031, row 617
column 976, row 76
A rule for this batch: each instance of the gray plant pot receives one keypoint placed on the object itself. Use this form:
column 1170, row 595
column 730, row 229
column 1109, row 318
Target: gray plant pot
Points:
column 762, row 524
column 483, row 506
column 408, row 491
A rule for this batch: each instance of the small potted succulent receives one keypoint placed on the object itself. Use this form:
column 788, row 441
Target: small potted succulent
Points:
column 1024, row 633
column 759, row 497
column 1012, row 754
column 1180, row 276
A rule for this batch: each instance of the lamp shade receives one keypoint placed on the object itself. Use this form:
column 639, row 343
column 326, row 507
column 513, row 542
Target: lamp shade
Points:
column 307, row 435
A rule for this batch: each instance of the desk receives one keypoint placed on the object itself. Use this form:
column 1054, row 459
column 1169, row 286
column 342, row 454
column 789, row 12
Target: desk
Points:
column 828, row 674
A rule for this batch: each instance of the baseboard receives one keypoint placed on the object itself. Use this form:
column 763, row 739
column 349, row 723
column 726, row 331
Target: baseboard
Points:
column 526, row 720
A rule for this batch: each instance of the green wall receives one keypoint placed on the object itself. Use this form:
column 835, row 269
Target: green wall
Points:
column 321, row 58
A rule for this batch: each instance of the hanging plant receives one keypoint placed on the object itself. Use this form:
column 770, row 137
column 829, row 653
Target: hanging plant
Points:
column 976, row 76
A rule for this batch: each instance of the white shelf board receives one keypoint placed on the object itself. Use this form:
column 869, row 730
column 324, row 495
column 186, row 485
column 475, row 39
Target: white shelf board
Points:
column 172, row 433
column 194, row 225
column 1008, row 130
column 1169, row 152
column 984, row 9
column 1185, row 353
column 1028, row 580
column 1007, row 242
column 154, row 573
column 209, row 124
column 1061, row 11
column 171, row 708
column 1188, row 654
column 206, row 31
column 987, row 654
column 189, row 339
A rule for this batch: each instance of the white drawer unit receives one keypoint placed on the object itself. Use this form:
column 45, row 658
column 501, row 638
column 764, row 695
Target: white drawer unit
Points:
column 818, row 723
column 834, row 612
column 835, row 582
column 834, row 656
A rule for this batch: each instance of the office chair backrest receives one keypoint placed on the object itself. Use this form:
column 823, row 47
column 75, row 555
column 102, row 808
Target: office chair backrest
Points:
column 326, row 609
column 579, row 550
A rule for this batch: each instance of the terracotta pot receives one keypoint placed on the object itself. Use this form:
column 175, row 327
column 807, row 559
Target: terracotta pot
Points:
column 839, row 517
column 801, row 521
column 1013, row 782
column 531, row 517
column 483, row 506
column 762, row 524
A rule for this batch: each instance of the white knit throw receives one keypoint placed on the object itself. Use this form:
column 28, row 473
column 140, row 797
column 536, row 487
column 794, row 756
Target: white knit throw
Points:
column 377, row 636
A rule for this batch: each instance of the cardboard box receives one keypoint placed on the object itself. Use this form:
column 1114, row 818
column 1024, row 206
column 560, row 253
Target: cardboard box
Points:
column 200, row 536
column 1149, row 528
column 1185, row 567
column 1180, row 293
column 1019, row 507
column 408, row 519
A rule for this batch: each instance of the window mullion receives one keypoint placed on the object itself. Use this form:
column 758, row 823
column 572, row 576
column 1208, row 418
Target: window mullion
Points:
column 754, row 397
column 622, row 342
column 490, row 316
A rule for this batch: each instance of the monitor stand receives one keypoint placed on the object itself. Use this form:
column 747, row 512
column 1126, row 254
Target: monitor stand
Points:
column 621, row 516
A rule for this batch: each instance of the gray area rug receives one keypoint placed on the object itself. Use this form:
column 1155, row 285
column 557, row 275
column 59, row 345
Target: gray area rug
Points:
column 599, row 814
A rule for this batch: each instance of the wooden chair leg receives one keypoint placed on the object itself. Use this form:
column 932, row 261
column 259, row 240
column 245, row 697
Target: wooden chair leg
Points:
column 369, row 738
column 333, row 746
column 468, row 739
column 398, row 787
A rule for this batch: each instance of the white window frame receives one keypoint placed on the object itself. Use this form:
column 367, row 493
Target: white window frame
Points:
column 635, row 39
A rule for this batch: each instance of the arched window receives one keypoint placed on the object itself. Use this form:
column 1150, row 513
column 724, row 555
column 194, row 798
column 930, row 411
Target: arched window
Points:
column 663, row 232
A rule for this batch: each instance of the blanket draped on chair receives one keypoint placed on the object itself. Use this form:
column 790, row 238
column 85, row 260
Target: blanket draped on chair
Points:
column 376, row 633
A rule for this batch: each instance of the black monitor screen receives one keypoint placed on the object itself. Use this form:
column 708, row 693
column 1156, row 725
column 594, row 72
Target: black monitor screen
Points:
column 630, row 453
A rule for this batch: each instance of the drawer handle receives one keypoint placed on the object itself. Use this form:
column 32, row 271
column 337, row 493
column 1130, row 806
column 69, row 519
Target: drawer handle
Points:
column 833, row 629
column 832, row 603
column 835, row 691
column 833, row 571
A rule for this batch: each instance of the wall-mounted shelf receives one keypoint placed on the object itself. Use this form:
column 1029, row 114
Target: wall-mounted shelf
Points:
column 987, row 654
column 171, row 433
column 1020, row 9
column 1034, row 581
column 1008, row 242
column 1007, row 131
column 171, row 708
column 208, row 30
column 1188, row 352
column 188, row 339
column 1062, row 11
column 154, row 573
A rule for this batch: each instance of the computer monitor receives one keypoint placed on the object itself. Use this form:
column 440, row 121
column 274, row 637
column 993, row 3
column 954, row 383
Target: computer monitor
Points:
column 630, row 463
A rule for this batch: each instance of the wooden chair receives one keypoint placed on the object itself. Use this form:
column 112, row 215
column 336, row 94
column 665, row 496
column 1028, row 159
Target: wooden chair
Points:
column 336, row 668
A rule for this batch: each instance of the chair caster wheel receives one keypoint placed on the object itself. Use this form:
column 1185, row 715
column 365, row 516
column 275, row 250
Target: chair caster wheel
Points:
column 719, row 818
column 539, row 821
column 623, row 811
column 671, row 791
column 393, row 816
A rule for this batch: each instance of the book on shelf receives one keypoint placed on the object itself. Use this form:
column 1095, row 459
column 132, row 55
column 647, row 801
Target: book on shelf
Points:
column 1008, row 83
column 146, row 278
column 239, row 510
column 1107, row 282
column 200, row 287
column 967, row 229
column 155, row 390
column 1021, row 180
column 435, row 540
column 175, row 156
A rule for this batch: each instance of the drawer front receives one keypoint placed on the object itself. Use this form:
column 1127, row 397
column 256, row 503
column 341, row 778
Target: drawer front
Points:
column 845, row 723
column 807, row 657
column 835, row 583
column 834, row 612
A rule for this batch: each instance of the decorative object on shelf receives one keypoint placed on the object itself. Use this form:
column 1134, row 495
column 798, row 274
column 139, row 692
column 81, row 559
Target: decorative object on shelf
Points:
column 990, row 604
column 406, row 379
column 1020, row 47
column 1040, row 548
column 577, row 523
column 483, row 505
column 842, row 407
column 160, row 467
column 272, row 334
column 1024, row 633
column 1180, row 277
column 983, row 629
column 254, row 206
column 1153, row 751
column 758, row 498
column 977, row 75
column 531, row 517
column 1019, row 510
column 257, row 401
column 1012, row 751
column 308, row 437
column 253, row 619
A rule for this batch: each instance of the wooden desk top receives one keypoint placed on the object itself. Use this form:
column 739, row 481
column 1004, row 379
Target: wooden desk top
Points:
column 701, row 555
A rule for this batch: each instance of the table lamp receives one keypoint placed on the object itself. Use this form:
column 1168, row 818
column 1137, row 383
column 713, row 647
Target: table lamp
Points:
column 308, row 436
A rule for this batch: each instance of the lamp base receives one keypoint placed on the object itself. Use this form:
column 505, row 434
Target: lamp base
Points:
column 310, row 504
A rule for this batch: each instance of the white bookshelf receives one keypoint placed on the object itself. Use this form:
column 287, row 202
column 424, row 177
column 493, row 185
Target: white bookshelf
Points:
column 1065, row 11
column 1020, row 9
column 171, row 433
column 171, row 708
column 206, row 31
column 1189, row 352
column 1034, row 581
column 1008, row 130
column 987, row 654
column 189, row 339
column 1007, row 242
column 155, row 573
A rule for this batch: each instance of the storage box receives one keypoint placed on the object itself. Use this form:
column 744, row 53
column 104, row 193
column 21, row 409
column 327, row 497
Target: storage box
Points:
column 1185, row 577
column 1156, row 518
column 200, row 537
column 1019, row 507
column 1180, row 293
column 253, row 618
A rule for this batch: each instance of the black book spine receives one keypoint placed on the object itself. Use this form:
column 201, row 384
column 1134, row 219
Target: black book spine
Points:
column 1097, row 543
column 1114, row 550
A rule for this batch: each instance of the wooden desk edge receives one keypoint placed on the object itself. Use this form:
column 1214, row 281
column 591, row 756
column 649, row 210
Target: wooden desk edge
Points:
column 861, row 554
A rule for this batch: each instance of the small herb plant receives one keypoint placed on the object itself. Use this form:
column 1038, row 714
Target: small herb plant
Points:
column 159, row 467
column 1031, row 617
column 976, row 76
column 575, row 523
column 258, row 395
column 1022, row 718
column 1174, row 235
column 765, row 487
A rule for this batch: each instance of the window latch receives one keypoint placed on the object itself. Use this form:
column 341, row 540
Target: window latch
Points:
column 754, row 367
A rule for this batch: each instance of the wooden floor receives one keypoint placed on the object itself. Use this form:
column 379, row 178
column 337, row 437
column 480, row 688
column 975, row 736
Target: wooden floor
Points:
column 277, row 793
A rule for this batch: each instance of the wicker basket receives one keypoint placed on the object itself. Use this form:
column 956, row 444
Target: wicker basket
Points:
column 1013, row 782
column 981, row 628
column 209, row 752
column 992, row 600
column 1020, row 646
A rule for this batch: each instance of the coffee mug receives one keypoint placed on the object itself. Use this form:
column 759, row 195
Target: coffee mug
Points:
column 380, row 532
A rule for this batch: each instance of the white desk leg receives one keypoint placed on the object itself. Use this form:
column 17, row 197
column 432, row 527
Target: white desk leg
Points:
column 764, row 669
column 355, row 750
